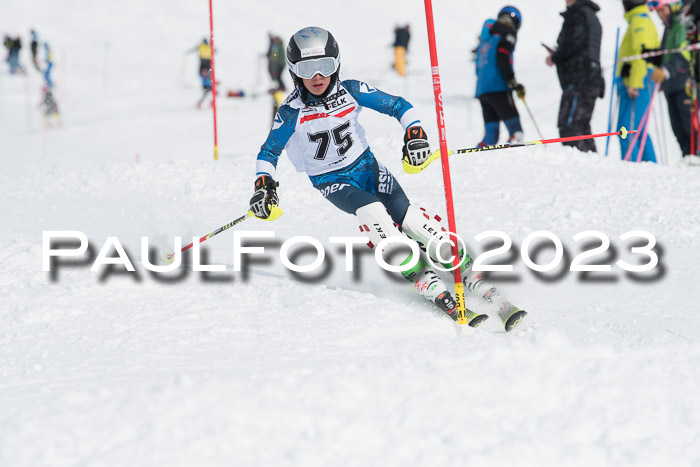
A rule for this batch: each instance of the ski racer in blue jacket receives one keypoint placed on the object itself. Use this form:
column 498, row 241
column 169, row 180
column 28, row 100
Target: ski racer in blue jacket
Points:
column 318, row 127
column 496, row 79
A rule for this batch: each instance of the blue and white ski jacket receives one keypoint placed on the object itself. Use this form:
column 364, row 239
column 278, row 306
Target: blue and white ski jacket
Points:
column 324, row 135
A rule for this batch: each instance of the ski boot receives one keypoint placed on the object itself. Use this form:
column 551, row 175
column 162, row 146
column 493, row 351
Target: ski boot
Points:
column 447, row 303
column 429, row 285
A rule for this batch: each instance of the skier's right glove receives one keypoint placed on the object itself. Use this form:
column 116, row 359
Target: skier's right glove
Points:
column 518, row 88
column 416, row 149
column 265, row 196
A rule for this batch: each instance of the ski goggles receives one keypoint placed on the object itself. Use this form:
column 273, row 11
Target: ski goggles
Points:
column 656, row 4
column 307, row 69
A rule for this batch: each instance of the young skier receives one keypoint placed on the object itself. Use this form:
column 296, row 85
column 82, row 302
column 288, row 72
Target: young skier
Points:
column 496, row 79
column 318, row 126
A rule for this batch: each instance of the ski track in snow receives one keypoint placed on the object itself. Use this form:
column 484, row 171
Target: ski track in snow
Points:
column 118, row 369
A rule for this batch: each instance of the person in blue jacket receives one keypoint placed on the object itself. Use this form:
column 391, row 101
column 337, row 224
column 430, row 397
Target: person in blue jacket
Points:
column 496, row 78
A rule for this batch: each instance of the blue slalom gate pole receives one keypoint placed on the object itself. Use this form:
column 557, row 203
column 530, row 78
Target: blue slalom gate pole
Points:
column 612, row 91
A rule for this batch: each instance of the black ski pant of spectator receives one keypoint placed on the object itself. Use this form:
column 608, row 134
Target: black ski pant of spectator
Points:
column 679, row 113
column 575, row 113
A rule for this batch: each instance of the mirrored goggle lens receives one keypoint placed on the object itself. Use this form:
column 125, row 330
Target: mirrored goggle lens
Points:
column 653, row 5
column 310, row 68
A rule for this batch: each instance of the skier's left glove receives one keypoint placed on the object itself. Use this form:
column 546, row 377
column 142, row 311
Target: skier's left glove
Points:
column 265, row 197
column 518, row 88
column 416, row 149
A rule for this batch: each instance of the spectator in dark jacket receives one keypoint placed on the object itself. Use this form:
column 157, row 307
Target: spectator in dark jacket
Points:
column 577, row 58
column 673, row 70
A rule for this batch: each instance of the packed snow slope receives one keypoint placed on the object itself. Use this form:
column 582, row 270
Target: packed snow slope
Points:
column 112, row 368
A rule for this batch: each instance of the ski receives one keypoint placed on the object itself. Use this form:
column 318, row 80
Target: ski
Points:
column 510, row 314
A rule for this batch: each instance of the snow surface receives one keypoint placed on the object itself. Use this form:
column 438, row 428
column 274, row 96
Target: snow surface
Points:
column 110, row 368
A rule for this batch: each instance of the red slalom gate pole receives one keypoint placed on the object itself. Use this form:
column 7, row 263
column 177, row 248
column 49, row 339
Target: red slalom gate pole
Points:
column 447, row 181
column 213, row 79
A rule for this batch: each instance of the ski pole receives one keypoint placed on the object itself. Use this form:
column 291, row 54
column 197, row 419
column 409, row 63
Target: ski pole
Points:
column 659, row 125
column 464, row 316
column 640, row 153
column 643, row 123
column 612, row 91
column 532, row 117
column 656, row 53
column 414, row 169
column 634, row 104
column 694, row 125
column 276, row 213
column 213, row 80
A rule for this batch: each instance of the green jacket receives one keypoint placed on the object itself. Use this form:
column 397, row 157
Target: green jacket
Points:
column 677, row 64
column 640, row 32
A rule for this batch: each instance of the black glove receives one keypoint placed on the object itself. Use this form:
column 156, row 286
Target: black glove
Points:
column 265, row 196
column 518, row 88
column 625, row 70
column 656, row 61
column 416, row 149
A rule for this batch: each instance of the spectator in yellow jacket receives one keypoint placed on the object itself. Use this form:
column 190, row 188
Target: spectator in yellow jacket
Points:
column 634, row 84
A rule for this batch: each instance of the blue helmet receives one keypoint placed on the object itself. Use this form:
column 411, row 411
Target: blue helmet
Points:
column 512, row 13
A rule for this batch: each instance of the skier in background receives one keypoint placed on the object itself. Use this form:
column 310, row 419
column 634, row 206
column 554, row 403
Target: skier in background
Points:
column 318, row 127
column 7, row 43
column 275, row 60
column 402, row 36
column 50, row 107
column 205, row 76
column 13, row 47
column 577, row 58
column 634, row 83
column 673, row 70
column 275, row 65
column 204, row 52
column 496, row 78
column 49, row 65
column 34, row 47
